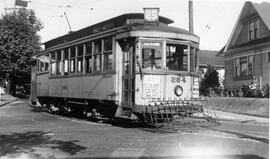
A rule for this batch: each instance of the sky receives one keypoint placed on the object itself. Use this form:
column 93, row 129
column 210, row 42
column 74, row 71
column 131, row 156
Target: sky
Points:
column 213, row 19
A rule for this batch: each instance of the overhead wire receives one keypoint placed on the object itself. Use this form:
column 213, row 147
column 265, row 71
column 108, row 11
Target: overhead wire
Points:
column 213, row 19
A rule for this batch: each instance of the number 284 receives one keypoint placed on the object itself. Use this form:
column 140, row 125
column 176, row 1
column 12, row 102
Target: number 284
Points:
column 177, row 80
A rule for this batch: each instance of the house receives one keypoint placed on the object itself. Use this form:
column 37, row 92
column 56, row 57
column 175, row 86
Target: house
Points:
column 247, row 52
column 209, row 57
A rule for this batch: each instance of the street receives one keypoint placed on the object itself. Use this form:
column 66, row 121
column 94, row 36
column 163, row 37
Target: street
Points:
column 26, row 133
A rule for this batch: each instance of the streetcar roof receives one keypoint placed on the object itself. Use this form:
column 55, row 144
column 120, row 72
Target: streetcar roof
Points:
column 102, row 26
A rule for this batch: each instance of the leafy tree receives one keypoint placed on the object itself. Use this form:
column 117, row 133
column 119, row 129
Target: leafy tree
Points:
column 210, row 81
column 18, row 41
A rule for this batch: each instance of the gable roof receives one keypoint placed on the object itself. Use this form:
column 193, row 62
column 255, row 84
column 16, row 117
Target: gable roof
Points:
column 208, row 57
column 263, row 10
column 248, row 9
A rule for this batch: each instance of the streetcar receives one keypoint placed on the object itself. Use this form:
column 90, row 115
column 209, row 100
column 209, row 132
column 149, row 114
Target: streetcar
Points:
column 132, row 65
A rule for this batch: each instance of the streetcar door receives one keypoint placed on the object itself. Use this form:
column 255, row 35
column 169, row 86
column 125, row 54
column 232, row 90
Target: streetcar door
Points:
column 128, row 79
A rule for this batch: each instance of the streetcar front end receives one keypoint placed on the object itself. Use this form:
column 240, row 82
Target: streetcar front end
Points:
column 166, row 79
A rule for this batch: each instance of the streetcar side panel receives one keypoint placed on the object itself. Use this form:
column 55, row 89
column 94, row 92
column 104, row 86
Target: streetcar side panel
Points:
column 99, row 87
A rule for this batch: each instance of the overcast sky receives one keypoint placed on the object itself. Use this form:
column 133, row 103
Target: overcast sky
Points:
column 213, row 20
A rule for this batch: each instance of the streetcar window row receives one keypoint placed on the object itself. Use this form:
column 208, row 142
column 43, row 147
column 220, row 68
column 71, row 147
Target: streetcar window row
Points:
column 87, row 58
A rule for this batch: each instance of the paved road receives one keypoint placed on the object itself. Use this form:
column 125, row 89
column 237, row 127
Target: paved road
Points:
column 25, row 133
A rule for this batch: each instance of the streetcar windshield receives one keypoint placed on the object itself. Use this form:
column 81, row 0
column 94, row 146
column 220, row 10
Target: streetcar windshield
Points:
column 177, row 57
column 152, row 55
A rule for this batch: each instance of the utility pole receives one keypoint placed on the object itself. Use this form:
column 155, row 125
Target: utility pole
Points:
column 190, row 15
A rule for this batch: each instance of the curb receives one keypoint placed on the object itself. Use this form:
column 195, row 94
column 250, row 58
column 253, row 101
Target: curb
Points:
column 7, row 102
column 242, row 121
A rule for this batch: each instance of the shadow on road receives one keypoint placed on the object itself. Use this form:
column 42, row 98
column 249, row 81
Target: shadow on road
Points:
column 247, row 156
column 27, row 141
column 175, row 126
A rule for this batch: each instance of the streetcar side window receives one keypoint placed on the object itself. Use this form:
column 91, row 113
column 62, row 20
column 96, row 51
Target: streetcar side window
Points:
column 53, row 64
column 65, row 61
column 193, row 59
column 176, row 57
column 46, row 60
column 108, row 56
column 88, row 58
column 43, row 63
column 80, row 58
column 58, row 62
column 97, row 56
column 72, row 59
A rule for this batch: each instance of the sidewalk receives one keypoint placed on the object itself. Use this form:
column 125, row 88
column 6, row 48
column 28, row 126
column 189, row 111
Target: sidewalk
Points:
column 5, row 99
column 239, row 117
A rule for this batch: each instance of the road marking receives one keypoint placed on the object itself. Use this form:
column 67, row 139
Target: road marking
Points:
column 127, row 153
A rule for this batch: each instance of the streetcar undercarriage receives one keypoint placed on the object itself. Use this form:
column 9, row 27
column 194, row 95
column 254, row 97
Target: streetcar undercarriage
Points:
column 157, row 112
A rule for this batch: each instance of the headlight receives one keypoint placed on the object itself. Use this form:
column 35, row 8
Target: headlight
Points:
column 178, row 91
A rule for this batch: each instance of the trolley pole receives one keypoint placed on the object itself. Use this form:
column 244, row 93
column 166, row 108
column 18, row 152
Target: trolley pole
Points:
column 190, row 15
column 70, row 31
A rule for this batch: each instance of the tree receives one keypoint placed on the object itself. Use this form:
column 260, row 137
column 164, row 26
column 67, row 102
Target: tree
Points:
column 210, row 81
column 18, row 41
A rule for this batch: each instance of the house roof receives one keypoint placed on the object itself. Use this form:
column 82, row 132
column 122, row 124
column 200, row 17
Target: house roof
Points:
column 208, row 57
column 263, row 10
column 248, row 9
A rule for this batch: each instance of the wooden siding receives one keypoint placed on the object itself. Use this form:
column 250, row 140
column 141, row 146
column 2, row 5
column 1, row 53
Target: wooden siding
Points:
column 243, row 36
column 89, row 87
column 263, row 30
column 260, row 68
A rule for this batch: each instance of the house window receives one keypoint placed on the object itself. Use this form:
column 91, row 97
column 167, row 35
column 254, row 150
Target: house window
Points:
column 250, row 65
column 253, row 29
column 237, row 67
column 268, row 57
column 243, row 66
column 108, row 57
column 88, row 58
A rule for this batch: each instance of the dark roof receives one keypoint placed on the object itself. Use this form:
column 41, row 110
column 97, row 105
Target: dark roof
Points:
column 208, row 57
column 221, row 52
column 249, row 43
column 102, row 26
column 164, row 28
column 263, row 10
column 249, row 9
